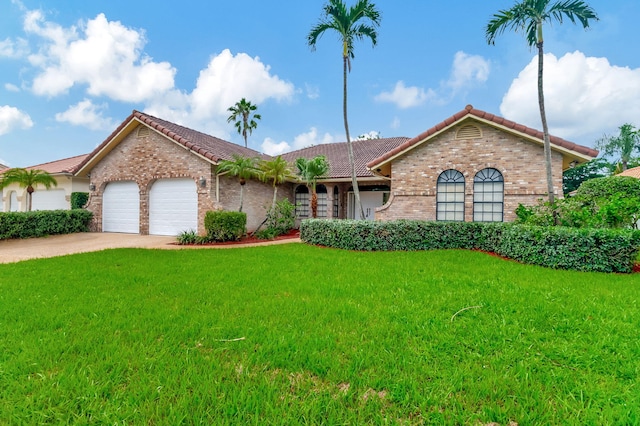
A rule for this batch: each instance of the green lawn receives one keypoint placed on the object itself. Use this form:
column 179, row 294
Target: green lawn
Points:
column 295, row 334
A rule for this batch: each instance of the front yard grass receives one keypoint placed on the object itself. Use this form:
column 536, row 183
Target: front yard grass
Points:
column 295, row 334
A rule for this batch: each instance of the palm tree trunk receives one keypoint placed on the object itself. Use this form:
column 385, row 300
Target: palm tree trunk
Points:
column 275, row 196
column 352, row 162
column 314, row 204
column 241, row 196
column 545, row 127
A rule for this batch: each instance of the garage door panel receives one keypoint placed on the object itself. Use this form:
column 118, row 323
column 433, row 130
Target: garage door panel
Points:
column 121, row 207
column 173, row 206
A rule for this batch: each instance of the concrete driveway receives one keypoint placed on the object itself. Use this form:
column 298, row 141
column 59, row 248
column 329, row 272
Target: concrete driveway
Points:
column 59, row 245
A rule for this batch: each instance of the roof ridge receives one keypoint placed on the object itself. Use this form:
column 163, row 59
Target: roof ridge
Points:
column 56, row 161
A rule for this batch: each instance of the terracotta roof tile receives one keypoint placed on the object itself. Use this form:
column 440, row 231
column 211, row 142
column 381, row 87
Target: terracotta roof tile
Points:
column 66, row 165
column 363, row 151
column 470, row 110
column 634, row 172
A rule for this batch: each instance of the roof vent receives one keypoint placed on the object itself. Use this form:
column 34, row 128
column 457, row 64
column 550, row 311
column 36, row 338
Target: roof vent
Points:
column 143, row 131
column 469, row 132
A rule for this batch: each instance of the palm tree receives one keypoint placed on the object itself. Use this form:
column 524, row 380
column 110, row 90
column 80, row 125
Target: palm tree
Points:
column 275, row 171
column 241, row 115
column 624, row 144
column 242, row 167
column 355, row 23
column 310, row 170
column 29, row 179
column 528, row 16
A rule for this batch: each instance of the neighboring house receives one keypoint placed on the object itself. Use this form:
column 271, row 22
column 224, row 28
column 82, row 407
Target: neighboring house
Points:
column 151, row 176
column 473, row 166
column 14, row 197
column 634, row 172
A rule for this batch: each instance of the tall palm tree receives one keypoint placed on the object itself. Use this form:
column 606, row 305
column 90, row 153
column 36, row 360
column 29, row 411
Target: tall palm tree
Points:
column 29, row 179
column 275, row 171
column 241, row 115
column 310, row 170
column 528, row 16
column 241, row 167
column 358, row 22
column 627, row 141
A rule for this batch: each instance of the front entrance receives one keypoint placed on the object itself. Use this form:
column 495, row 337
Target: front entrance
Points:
column 370, row 199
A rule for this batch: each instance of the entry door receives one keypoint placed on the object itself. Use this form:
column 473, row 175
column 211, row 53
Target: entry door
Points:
column 370, row 200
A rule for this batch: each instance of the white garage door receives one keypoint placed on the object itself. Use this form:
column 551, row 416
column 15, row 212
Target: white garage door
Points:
column 173, row 206
column 121, row 207
column 52, row 199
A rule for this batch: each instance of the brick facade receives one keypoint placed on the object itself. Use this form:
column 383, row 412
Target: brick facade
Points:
column 144, row 157
column 414, row 175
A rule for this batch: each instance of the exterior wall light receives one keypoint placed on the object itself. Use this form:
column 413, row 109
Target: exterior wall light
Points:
column 92, row 187
column 203, row 182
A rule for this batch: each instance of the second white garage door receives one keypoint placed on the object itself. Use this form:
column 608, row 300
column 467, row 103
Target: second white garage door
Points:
column 173, row 206
column 121, row 207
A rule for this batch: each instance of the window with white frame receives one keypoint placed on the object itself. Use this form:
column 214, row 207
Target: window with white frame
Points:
column 488, row 196
column 450, row 196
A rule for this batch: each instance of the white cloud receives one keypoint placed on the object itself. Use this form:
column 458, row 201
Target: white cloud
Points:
column 86, row 114
column 406, row 97
column 312, row 137
column 229, row 78
column 13, row 49
column 584, row 96
column 313, row 92
column 12, row 118
column 271, row 147
column 395, row 124
column 11, row 87
column 303, row 140
column 104, row 55
column 467, row 70
column 373, row 134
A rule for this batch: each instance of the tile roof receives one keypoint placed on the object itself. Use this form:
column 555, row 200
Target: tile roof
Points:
column 634, row 172
column 64, row 166
column 210, row 147
column 503, row 122
column 3, row 167
column 363, row 151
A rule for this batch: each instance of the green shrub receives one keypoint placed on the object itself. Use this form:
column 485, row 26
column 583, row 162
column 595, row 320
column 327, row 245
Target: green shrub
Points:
column 42, row 223
column 609, row 202
column 187, row 237
column 601, row 250
column 225, row 225
column 79, row 199
column 280, row 220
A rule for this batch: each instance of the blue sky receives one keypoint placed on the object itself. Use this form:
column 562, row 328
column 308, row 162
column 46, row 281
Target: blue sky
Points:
column 71, row 71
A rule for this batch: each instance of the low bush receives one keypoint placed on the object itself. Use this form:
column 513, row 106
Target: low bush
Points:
column 43, row 223
column 601, row 250
column 79, row 199
column 225, row 225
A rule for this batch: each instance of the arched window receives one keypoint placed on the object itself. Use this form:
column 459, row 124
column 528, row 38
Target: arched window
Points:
column 336, row 201
column 488, row 196
column 450, row 197
column 321, row 191
column 302, row 201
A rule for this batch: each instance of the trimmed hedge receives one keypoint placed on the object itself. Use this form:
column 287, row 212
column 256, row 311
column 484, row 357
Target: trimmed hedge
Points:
column 43, row 223
column 79, row 199
column 224, row 225
column 586, row 249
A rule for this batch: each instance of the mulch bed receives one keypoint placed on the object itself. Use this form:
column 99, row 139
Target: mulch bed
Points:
column 294, row 233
